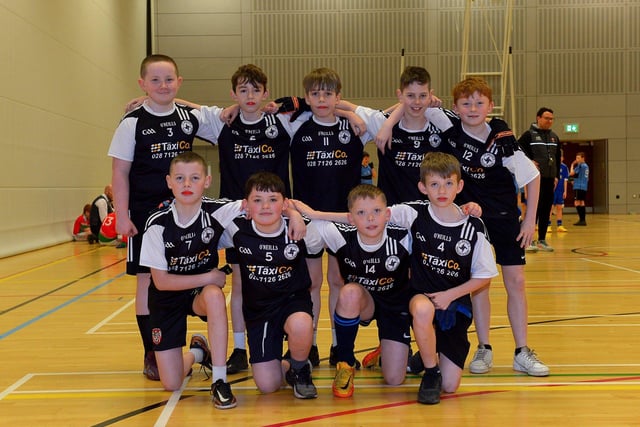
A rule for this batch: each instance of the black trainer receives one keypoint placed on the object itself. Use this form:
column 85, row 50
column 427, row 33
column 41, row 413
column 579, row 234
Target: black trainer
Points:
column 301, row 382
column 430, row 387
column 314, row 356
column 222, row 396
column 333, row 358
column 237, row 361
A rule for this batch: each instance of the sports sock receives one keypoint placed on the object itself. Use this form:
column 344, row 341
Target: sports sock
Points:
column 239, row 340
column 144, row 326
column 218, row 373
column 346, row 332
column 198, row 354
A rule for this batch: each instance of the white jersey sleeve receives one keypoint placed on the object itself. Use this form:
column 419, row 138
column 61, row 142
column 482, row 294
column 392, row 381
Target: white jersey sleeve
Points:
column 210, row 123
column 372, row 118
column 313, row 239
column 123, row 143
column 522, row 168
column 483, row 263
column 227, row 213
column 292, row 127
column 403, row 215
column 152, row 249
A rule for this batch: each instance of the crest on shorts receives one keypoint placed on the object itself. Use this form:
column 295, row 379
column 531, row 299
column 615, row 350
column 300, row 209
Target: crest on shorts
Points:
column 156, row 335
column 207, row 234
column 187, row 127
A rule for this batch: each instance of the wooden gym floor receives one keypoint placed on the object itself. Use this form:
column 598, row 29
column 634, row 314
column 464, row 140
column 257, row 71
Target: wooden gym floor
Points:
column 71, row 354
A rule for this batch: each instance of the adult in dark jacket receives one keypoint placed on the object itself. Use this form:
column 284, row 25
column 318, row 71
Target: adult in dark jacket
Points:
column 542, row 146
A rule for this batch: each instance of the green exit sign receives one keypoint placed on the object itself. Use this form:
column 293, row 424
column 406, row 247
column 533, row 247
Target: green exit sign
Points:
column 571, row 128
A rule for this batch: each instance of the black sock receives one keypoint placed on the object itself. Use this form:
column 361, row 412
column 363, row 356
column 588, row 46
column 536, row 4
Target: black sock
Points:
column 581, row 212
column 432, row 371
column 346, row 332
column 144, row 326
column 519, row 349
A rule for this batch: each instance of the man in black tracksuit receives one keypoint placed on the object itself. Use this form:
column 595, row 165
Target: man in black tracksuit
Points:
column 542, row 146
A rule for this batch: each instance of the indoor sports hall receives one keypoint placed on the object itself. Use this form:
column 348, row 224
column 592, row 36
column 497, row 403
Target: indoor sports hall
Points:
column 69, row 343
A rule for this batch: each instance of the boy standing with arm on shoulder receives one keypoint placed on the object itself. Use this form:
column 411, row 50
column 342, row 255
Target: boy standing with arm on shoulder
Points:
column 254, row 141
column 491, row 160
column 412, row 137
column 275, row 287
column 180, row 246
column 142, row 147
column 326, row 157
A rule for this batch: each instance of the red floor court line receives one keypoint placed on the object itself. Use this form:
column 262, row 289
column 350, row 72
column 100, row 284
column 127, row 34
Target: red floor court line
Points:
column 446, row 397
column 374, row 408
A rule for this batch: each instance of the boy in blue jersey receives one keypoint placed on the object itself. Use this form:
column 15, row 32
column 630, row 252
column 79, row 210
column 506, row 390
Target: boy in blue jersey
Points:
column 560, row 194
column 580, row 173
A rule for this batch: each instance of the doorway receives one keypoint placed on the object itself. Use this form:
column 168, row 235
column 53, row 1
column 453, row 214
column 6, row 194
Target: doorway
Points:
column 596, row 157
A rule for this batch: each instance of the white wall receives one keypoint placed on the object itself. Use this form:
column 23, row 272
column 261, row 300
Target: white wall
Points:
column 578, row 57
column 67, row 68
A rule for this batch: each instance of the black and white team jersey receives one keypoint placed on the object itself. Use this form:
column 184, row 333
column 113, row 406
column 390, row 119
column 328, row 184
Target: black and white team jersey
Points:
column 445, row 255
column 190, row 248
column 382, row 269
column 150, row 141
column 490, row 180
column 399, row 166
column 325, row 164
column 272, row 266
column 247, row 147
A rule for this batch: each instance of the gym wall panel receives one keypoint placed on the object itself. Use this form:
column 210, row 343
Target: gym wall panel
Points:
column 67, row 70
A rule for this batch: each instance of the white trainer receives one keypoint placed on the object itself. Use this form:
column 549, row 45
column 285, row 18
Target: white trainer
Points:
column 482, row 360
column 527, row 361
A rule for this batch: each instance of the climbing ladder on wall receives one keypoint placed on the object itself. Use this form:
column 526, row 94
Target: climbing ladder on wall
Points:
column 503, row 71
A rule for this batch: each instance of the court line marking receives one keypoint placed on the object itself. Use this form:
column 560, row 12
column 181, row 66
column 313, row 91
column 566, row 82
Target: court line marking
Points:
column 74, row 281
column 108, row 318
column 611, row 265
column 616, row 378
column 168, row 409
column 48, row 264
column 405, row 403
column 57, row 308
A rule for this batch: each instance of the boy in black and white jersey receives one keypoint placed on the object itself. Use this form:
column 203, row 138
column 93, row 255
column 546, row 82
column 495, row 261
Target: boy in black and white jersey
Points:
column 143, row 145
column 412, row 137
column 451, row 258
column 373, row 257
column 491, row 161
column 275, row 287
column 180, row 246
column 326, row 157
